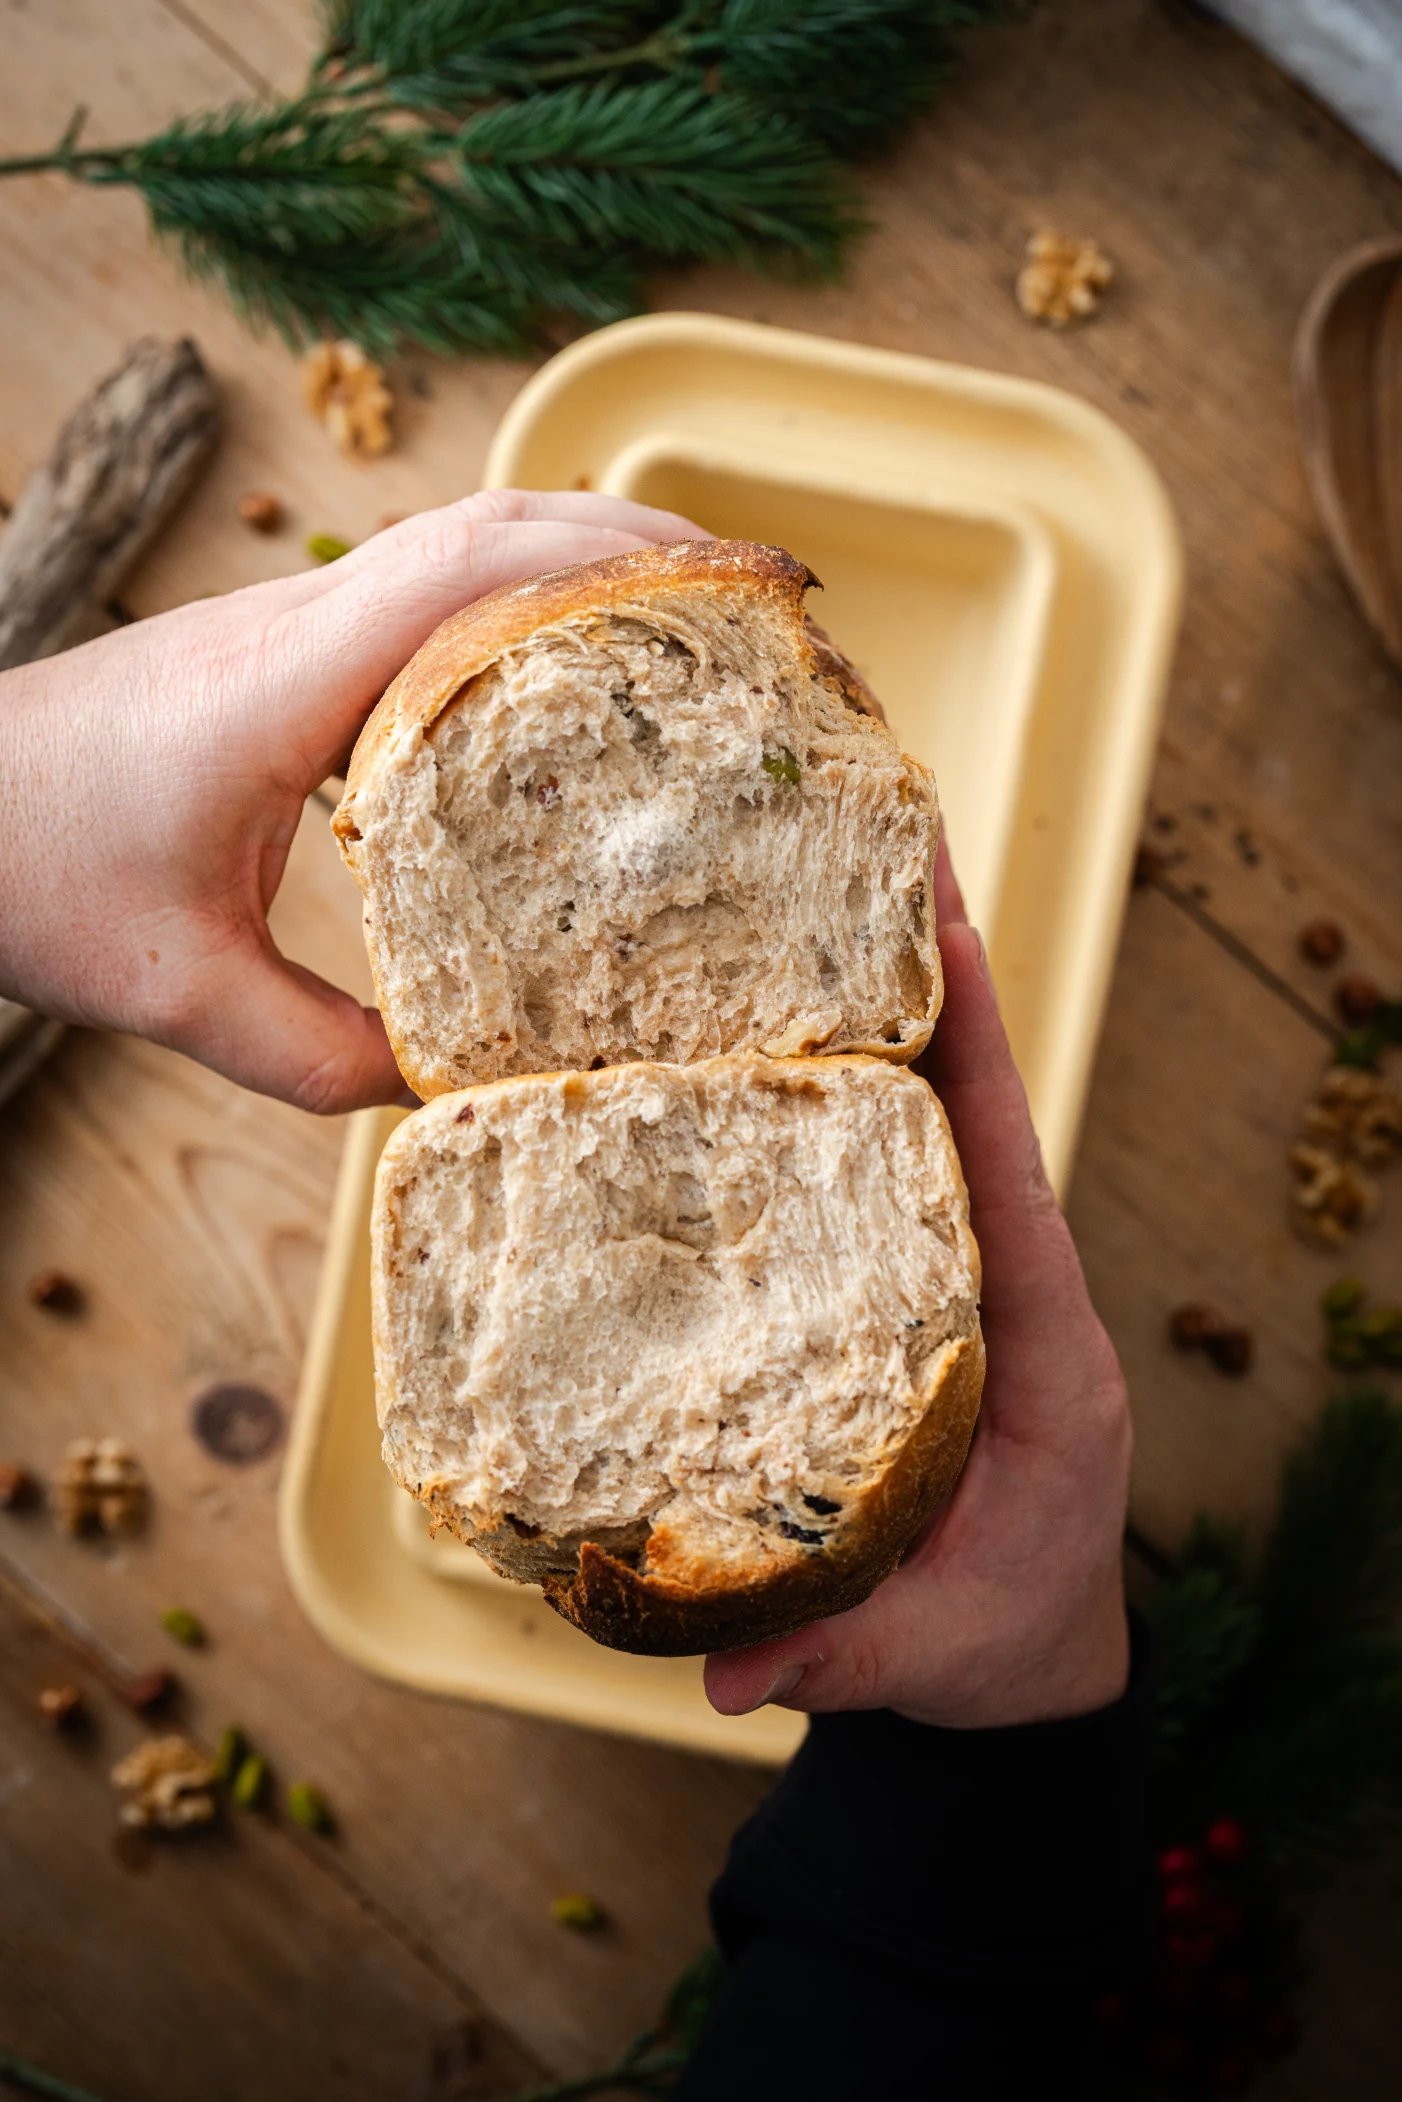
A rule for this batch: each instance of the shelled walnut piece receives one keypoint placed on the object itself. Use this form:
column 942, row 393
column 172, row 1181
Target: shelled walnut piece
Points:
column 1062, row 280
column 168, row 1783
column 1356, row 1115
column 100, row 1488
column 347, row 392
column 1332, row 1198
column 1353, row 1123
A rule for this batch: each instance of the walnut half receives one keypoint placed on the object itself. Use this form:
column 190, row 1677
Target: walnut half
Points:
column 346, row 391
column 1062, row 280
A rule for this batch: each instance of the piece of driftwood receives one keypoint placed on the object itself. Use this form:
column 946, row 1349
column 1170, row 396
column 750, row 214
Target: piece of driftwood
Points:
column 122, row 462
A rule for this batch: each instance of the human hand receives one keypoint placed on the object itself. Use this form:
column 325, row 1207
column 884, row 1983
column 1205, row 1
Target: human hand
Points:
column 1010, row 1608
column 154, row 780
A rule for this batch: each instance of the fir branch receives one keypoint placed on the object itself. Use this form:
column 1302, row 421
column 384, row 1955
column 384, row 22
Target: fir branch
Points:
column 443, row 55
column 850, row 72
column 1281, row 1685
column 295, row 178
column 666, row 166
column 459, row 173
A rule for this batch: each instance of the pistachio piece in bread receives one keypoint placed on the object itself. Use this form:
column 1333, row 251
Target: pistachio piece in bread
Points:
column 696, row 1348
column 638, row 809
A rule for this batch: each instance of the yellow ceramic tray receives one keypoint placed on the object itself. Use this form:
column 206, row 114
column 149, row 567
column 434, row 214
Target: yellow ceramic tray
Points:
column 430, row 1613
column 1002, row 563
column 998, row 558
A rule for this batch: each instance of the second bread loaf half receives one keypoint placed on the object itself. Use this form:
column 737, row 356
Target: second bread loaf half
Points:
column 696, row 1348
column 638, row 810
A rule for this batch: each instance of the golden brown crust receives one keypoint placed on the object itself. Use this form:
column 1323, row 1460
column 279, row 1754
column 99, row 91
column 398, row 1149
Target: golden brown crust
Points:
column 655, row 1616
column 841, row 670
column 469, row 642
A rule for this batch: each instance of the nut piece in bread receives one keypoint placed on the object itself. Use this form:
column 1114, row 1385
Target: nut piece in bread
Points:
column 638, row 810
column 696, row 1348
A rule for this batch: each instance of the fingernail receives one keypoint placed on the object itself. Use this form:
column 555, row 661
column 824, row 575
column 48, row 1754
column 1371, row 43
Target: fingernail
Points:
column 982, row 956
column 783, row 1685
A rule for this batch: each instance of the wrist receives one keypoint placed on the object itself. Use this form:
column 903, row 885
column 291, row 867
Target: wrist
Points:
column 1075, row 1670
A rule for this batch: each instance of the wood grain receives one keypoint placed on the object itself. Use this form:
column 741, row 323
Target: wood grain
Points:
column 229, row 1964
column 1222, row 192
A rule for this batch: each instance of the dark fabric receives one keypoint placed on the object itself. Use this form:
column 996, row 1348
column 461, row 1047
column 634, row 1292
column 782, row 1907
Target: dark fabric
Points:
column 918, row 1912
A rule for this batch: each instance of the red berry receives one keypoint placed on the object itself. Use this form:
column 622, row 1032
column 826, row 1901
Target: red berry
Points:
column 1231, row 2073
column 1166, row 2050
column 1178, row 1992
column 1180, row 1864
column 1234, row 1993
column 1191, row 1952
column 1183, row 1904
column 1226, row 1839
column 1278, row 2030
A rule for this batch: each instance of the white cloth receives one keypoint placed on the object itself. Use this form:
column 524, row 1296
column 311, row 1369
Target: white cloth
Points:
column 1348, row 52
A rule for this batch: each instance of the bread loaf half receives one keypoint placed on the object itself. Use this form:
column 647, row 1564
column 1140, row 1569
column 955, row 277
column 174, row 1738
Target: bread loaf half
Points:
column 696, row 1348
column 638, row 810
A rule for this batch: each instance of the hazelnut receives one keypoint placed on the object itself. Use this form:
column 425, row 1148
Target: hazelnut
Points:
column 146, row 1690
column 17, row 1486
column 1148, row 864
column 1322, row 942
column 56, row 1293
column 1357, row 1000
column 1232, row 1351
column 1191, row 1327
column 60, row 1705
column 260, row 512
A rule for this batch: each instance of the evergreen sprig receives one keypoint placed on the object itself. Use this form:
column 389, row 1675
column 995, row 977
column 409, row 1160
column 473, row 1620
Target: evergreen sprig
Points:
column 463, row 174
column 1280, row 1675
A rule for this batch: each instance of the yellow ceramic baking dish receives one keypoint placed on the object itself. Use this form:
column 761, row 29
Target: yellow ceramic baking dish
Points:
column 1001, row 562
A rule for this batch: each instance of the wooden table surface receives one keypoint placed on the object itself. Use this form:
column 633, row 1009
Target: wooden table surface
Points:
column 414, row 1955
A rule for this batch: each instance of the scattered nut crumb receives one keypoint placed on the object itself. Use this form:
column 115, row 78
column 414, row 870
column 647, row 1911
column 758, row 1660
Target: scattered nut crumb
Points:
column 168, row 1783
column 60, row 1705
column 327, row 547
column 229, row 1753
column 183, row 1626
column 1148, row 864
column 308, row 1807
column 1357, row 1000
column 1190, row 1326
column 1332, row 1198
column 260, row 511
column 100, row 1487
column 1231, row 1347
column 584, row 481
column 17, row 1487
column 56, row 1293
column 1322, row 942
column 1062, row 280
column 347, row 393
column 146, row 1689
column 250, row 1783
column 1232, row 1350
column 578, row 1912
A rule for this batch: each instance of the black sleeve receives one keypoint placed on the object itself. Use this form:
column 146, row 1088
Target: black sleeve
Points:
column 919, row 1912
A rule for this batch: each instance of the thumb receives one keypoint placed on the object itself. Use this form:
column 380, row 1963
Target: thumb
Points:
column 855, row 1660
column 278, row 1028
